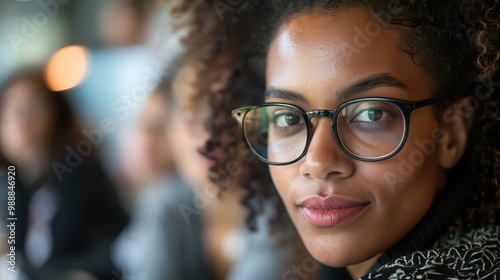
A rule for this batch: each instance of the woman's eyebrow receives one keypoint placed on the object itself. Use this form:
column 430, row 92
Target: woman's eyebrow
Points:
column 284, row 94
column 370, row 82
column 362, row 85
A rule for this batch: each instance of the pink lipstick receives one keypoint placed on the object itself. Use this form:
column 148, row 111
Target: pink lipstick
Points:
column 330, row 211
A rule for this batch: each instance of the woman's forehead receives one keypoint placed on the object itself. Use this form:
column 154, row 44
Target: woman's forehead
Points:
column 318, row 52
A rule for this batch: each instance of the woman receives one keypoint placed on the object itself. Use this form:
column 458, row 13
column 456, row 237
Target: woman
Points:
column 146, row 172
column 64, row 219
column 380, row 142
column 188, row 228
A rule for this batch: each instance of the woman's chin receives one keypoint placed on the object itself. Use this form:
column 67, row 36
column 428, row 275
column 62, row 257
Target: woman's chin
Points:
column 336, row 260
column 335, row 253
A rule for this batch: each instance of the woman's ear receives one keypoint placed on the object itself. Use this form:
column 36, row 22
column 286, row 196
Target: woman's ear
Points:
column 455, row 122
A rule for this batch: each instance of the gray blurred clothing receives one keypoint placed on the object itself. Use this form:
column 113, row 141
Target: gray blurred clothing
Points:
column 159, row 244
column 165, row 241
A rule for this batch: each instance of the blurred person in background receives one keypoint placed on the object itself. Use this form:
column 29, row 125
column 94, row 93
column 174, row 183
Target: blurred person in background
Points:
column 159, row 243
column 147, row 176
column 164, row 241
column 144, row 157
column 67, row 211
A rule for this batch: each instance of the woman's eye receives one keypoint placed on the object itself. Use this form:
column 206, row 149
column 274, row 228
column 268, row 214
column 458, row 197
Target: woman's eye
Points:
column 284, row 119
column 370, row 115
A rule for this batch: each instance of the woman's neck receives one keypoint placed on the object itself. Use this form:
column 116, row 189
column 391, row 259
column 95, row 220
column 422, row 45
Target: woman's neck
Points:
column 33, row 166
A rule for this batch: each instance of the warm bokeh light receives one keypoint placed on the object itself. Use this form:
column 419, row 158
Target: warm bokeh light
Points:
column 67, row 68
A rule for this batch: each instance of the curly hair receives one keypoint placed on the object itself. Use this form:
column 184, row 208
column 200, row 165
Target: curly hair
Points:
column 456, row 42
column 215, row 42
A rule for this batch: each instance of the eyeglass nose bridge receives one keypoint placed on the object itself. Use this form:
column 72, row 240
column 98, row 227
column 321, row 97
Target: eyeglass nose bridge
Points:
column 320, row 113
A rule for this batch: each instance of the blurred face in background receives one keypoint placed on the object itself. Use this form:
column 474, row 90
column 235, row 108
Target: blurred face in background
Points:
column 187, row 134
column 147, row 156
column 26, row 122
column 121, row 24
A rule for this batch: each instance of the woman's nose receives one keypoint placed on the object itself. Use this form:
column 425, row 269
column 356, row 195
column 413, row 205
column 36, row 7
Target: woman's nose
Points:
column 324, row 158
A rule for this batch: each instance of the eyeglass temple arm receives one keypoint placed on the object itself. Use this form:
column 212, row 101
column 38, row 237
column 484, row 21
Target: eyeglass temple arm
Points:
column 427, row 102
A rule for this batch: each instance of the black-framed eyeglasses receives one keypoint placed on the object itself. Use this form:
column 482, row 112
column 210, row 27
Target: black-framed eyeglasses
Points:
column 366, row 129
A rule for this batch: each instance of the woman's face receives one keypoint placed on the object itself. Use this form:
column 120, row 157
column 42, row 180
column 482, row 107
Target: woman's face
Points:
column 348, row 211
column 186, row 133
column 26, row 122
column 147, row 156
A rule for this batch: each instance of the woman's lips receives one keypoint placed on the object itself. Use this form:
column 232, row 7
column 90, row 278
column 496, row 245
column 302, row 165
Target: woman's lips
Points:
column 212, row 152
column 330, row 211
column 206, row 159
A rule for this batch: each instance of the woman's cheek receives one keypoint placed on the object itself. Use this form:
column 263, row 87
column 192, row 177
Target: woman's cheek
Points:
column 282, row 185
